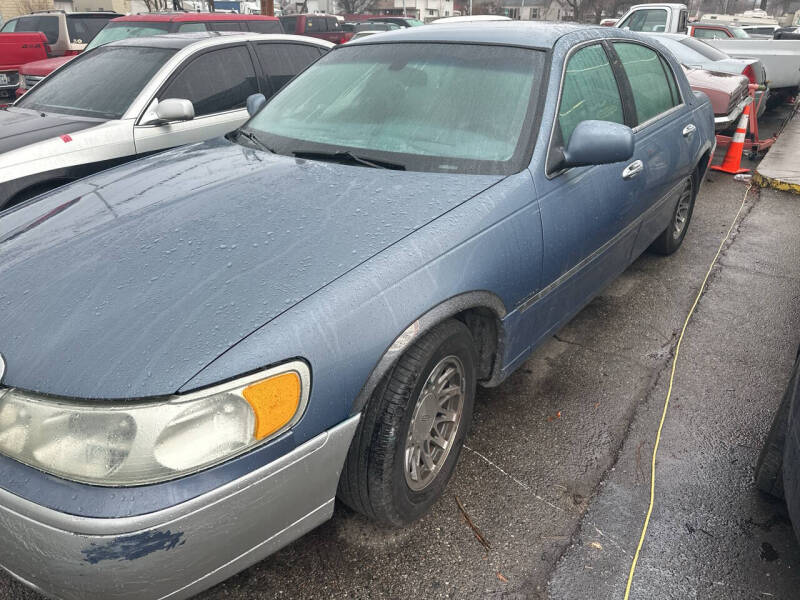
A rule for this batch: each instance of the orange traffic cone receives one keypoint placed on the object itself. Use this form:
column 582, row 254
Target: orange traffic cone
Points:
column 733, row 157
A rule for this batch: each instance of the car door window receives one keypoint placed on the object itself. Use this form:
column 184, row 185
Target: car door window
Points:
column 225, row 26
column 216, row 81
column 589, row 91
column 188, row 27
column 289, row 24
column 315, row 25
column 654, row 19
column 333, row 24
column 265, row 26
column 282, row 61
column 47, row 24
column 650, row 80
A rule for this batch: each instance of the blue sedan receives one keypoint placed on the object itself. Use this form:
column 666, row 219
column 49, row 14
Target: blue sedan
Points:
column 204, row 348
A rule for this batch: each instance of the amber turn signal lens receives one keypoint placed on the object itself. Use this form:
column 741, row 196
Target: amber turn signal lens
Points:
column 274, row 401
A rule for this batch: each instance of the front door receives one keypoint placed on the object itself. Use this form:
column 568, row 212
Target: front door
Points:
column 218, row 83
column 588, row 213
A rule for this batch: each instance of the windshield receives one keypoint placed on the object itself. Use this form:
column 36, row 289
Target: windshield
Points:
column 127, row 29
column 100, row 84
column 422, row 106
column 738, row 32
column 703, row 49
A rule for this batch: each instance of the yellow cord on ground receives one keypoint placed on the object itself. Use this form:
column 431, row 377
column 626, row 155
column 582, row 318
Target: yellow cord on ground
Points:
column 669, row 394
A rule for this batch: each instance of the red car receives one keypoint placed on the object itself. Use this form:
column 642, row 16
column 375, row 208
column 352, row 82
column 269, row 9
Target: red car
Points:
column 152, row 24
column 326, row 27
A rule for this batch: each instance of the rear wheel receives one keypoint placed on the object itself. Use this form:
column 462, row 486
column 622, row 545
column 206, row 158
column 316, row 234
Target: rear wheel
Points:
column 672, row 237
column 412, row 429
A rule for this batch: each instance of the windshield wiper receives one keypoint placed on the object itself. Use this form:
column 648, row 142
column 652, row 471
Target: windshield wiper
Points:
column 348, row 156
column 253, row 139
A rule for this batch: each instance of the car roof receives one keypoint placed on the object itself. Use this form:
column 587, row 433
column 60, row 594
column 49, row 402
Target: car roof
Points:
column 173, row 40
column 532, row 34
column 193, row 17
column 209, row 38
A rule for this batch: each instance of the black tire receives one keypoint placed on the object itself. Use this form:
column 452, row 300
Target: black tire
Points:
column 373, row 480
column 669, row 241
column 769, row 468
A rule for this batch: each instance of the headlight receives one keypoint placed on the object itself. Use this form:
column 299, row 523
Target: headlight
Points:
column 131, row 444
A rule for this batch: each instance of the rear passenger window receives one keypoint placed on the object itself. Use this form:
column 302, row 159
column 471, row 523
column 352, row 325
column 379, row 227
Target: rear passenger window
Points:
column 188, row 27
column 47, row 24
column 315, row 25
column 652, row 85
column 265, row 26
column 217, row 81
column 225, row 26
column 589, row 92
column 282, row 61
column 289, row 24
column 333, row 24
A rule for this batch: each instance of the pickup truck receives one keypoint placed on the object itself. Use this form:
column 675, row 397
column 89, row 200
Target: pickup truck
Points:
column 781, row 58
column 16, row 49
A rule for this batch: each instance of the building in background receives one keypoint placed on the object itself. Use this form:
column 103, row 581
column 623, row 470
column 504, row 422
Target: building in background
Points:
column 535, row 10
column 424, row 10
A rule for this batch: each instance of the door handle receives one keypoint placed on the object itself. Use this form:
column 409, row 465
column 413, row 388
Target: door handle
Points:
column 689, row 130
column 633, row 169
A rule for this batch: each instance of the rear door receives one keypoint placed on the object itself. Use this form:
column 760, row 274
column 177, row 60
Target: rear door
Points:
column 218, row 83
column 666, row 139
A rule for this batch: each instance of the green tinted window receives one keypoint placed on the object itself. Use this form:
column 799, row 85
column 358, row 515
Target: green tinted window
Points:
column 651, row 89
column 590, row 91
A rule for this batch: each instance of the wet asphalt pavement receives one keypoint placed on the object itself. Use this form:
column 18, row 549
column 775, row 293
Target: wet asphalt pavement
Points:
column 556, row 470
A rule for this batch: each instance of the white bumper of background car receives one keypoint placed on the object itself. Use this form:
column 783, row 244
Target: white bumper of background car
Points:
column 182, row 550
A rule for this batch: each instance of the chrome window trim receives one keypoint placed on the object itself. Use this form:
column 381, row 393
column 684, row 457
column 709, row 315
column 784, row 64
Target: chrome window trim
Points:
column 638, row 127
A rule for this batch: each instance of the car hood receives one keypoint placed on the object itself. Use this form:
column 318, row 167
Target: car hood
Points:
column 21, row 127
column 41, row 68
column 128, row 283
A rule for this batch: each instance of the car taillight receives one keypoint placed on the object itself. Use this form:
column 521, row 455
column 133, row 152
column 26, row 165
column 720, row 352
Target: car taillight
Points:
column 749, row 73
column 72, row 53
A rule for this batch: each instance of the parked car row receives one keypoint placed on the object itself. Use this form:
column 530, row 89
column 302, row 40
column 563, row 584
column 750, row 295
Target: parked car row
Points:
column 231, row 334
column 133, row 26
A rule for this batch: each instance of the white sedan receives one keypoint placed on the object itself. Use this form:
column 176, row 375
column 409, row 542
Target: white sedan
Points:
column 137, row 96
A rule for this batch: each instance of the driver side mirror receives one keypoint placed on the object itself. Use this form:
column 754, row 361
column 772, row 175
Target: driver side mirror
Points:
column 169, row 110
column 254, row 103
column 598, row 143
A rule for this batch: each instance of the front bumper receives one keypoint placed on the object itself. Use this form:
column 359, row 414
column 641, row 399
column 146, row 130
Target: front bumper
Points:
column 181, row 550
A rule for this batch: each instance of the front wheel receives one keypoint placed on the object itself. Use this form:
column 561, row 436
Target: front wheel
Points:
column 412, row 430
column 672, row 237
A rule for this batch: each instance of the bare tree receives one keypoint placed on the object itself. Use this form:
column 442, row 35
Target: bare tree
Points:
column 354, row 7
